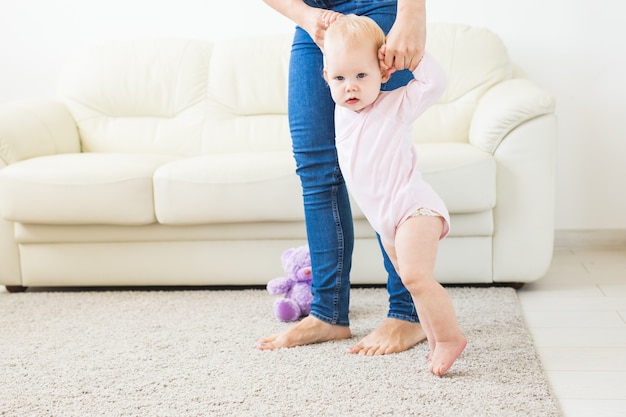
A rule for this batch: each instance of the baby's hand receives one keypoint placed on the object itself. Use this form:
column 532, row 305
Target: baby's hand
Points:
column 317, row 22
column 329, row 16
column 386, row 70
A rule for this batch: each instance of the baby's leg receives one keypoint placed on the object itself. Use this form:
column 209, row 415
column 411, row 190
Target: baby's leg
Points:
column 417, row 241
column 429, row 335
column 391, row 252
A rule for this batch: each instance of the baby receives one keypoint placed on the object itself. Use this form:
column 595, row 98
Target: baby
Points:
column 378, row 162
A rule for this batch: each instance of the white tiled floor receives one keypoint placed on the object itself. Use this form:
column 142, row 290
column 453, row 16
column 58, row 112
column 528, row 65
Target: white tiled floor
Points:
column 577, row 316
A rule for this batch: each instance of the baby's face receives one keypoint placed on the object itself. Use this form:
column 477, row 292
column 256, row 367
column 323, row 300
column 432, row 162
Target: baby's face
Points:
column 353, row 74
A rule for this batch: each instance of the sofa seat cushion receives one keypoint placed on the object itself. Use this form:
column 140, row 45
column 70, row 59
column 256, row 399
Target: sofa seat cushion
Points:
column 81, row 188
column 228, row 188
column 462, row 174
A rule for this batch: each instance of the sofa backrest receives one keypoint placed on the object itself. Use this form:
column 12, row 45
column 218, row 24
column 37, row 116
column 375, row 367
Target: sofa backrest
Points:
column 475, row 60
column 185, row 97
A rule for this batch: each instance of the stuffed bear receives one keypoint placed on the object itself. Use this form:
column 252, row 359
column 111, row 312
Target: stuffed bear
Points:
column 296, row 286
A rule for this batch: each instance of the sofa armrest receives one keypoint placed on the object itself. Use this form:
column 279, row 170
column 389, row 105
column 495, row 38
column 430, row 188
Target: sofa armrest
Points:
column 505, row 107
column 36, row 128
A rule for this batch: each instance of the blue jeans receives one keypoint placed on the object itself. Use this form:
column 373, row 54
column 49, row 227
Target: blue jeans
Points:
column 327, row 210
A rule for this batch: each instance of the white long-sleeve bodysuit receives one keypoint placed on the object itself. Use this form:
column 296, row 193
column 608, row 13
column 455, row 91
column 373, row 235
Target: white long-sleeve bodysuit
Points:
column 378, row 159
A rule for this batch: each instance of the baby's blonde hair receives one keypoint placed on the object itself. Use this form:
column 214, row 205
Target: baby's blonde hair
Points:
column 355, row 29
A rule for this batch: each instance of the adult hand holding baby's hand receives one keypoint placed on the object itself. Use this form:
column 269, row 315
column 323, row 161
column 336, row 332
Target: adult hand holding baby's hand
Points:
column 329, row 16
column 406, row 41
column 317, row 22
column 384, row 68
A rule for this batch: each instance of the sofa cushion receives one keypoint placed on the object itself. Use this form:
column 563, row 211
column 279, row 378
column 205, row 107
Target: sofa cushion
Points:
column 475, row 59
column 463, row 175
column 213, row 188
column 230, row 187
column 180, row 96
column 82, row 188
column 154, row 100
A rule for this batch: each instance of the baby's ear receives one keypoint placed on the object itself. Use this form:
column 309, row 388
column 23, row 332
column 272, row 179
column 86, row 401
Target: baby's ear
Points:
column 325, row 74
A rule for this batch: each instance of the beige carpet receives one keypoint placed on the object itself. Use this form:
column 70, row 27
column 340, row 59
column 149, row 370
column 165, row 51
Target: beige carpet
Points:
column 192, row 353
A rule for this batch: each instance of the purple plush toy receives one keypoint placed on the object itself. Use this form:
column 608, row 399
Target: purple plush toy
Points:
column 296, row 286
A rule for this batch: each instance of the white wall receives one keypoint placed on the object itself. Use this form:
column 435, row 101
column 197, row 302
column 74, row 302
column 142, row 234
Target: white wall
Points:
column 572, row 48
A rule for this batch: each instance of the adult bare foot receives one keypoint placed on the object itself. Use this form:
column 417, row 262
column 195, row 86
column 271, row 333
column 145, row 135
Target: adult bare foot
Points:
column 307, row 331
column 445, row 354
column 390, row 337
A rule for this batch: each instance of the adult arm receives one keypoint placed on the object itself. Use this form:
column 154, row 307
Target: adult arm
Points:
column 407, row 38
column 313, row 20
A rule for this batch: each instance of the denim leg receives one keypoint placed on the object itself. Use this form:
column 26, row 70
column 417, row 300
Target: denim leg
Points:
column 327, row 210
column 401, row 304
column 326, row 205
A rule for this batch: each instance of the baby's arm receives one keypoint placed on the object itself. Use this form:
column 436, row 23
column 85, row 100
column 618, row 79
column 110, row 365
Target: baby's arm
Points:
column 429, row 70
column 429, row 84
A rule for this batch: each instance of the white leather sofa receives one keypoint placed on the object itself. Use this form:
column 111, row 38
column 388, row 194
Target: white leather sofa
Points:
column 168, row 162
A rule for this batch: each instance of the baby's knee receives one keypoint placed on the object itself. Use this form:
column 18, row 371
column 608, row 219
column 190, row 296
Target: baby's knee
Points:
column 417, row 281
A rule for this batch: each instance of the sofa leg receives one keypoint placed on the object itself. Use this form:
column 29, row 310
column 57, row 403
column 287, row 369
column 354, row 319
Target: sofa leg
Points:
column 15, row 288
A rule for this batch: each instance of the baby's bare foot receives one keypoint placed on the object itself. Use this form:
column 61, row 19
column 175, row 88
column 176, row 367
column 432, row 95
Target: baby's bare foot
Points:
column 308, row 331
column 390, row 337
column 445, row 354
